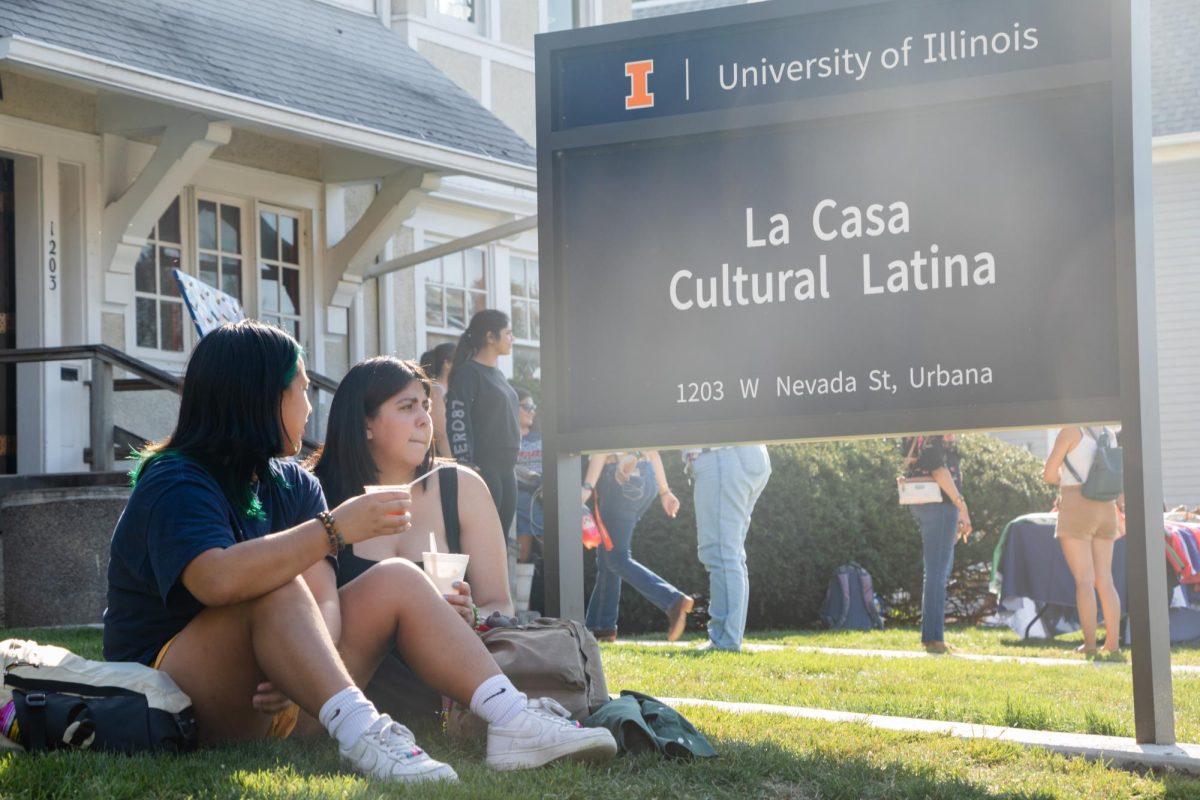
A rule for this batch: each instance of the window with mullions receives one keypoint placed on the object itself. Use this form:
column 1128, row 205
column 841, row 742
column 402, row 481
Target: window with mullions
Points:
column 219, row 246
column 158, row 309
column 458, row 9
column 526, row 316
column 279, row 270
column 455, row 290
column 561, row 15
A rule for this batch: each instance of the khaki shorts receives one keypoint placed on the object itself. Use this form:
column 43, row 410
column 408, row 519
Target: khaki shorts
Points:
column 282, row 724
column 1081, row 518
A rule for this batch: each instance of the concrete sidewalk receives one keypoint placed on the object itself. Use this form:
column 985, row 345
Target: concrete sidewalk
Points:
column 1179, row 669
column 1112, row 750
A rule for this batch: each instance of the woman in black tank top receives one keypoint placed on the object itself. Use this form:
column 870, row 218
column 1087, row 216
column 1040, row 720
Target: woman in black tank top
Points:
column 380, row 432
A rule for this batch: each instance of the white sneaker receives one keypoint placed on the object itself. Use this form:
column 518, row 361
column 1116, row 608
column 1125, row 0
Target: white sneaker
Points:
column 542, row 733
column 387, row 750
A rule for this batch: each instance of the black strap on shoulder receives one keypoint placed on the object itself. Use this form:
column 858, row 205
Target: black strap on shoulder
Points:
column 1067, row 460
column 448, row 484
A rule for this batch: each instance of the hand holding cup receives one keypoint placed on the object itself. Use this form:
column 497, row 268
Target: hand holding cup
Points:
column 377, row 513
column 462, row 602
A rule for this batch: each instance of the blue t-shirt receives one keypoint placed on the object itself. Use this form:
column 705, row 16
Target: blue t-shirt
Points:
column 176, row 512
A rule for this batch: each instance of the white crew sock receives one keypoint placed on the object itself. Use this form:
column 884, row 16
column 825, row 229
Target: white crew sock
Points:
column 347, row 715
column 497, row 701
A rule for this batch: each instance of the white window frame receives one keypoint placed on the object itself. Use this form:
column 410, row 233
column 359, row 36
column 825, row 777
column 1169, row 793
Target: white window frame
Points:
column 489, row 289
column 532, row 259
column 479, row 26
column 171, row 359
column 585, row 13
column 528, row 343
column 248, row 238
column 303, row 243
column 367, row 7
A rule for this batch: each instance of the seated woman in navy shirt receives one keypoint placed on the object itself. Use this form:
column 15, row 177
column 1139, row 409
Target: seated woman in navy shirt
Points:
column 218, row 576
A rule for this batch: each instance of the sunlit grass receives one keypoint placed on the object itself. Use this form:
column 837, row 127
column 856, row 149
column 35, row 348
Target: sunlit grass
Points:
column 760, row 755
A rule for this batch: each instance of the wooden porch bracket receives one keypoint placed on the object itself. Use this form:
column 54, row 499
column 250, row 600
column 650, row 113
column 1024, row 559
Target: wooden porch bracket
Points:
column 347, row 262
column 185, row 145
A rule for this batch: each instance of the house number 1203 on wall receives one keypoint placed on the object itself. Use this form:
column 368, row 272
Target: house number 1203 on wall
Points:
column 52, row 259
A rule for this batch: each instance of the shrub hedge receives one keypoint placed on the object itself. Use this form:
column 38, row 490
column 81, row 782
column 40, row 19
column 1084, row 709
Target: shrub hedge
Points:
column 826, row 504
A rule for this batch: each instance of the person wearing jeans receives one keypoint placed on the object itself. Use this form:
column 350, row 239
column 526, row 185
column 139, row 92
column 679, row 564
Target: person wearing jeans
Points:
column 939, row 532
column 728, row 482
column 626, row 485
column 942, row 524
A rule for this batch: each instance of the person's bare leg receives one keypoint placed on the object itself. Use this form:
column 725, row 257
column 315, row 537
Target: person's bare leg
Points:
column 1079, row 558
column 224, row 653
column 395, row 604
column 1110, row 601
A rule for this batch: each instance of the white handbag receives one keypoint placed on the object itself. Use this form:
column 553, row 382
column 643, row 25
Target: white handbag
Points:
column 917, row 491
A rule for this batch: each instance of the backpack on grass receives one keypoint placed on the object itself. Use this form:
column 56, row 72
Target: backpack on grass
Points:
column 850, row 602
column 555, row 658
column 62, row 701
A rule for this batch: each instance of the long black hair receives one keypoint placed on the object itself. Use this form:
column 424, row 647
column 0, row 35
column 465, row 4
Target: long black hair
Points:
column 344, row 465
column 432, row 361
column 474, row 338
column 230, row 411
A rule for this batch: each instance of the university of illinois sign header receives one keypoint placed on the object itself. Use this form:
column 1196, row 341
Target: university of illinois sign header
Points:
column 825, row 219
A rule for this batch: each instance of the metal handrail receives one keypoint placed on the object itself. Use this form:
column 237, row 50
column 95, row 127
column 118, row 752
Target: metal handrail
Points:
column 161, row 379
column 149, row 377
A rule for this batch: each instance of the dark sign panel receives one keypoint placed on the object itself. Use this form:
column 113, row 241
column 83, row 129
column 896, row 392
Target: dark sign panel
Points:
column 798, row 220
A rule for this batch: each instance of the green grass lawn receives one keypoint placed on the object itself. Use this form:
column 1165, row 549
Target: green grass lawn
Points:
column 761, row 756
column 1084, row 699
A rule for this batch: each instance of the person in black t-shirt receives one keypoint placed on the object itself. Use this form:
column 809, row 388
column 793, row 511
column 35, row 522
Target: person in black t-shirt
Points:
column 942, row 524
column 437, row 363
column 482, row 410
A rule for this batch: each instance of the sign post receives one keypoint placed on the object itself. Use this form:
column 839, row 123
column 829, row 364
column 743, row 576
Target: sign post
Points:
column 819, row 220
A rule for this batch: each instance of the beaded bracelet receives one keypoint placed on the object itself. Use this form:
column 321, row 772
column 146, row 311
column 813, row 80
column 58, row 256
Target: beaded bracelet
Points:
column 336, row 542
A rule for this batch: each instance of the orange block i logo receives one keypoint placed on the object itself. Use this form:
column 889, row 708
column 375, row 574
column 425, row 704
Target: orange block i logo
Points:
column 639, row 95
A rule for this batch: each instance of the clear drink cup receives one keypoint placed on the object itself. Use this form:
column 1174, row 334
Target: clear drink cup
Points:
column 394, row 487
column 444, row 569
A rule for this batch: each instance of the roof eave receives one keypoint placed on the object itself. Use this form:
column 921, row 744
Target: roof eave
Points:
column 123, row 79
column 1177, row 147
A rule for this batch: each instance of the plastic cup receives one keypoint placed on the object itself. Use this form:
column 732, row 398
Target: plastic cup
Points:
column 524, row 576
column 444, row 569
column 395, row 487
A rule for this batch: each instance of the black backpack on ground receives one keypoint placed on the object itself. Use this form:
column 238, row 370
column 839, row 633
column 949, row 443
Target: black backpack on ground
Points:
column 62, row 701
column 850, row 602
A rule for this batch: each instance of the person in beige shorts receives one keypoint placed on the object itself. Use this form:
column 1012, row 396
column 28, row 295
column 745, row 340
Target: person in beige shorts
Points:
column 1086, row 531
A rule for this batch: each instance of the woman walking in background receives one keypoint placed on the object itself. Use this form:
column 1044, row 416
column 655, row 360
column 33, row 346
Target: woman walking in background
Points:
column 942, row 524
column 437, row 363
column 1086, row 530
column 625, row 485
column 482, row 411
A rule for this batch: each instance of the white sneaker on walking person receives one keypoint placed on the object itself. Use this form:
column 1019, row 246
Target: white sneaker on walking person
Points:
column 387, row 750
column 544, row 732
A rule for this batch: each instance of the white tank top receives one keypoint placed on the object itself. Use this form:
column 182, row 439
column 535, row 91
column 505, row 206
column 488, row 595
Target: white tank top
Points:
column 1081, row 459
